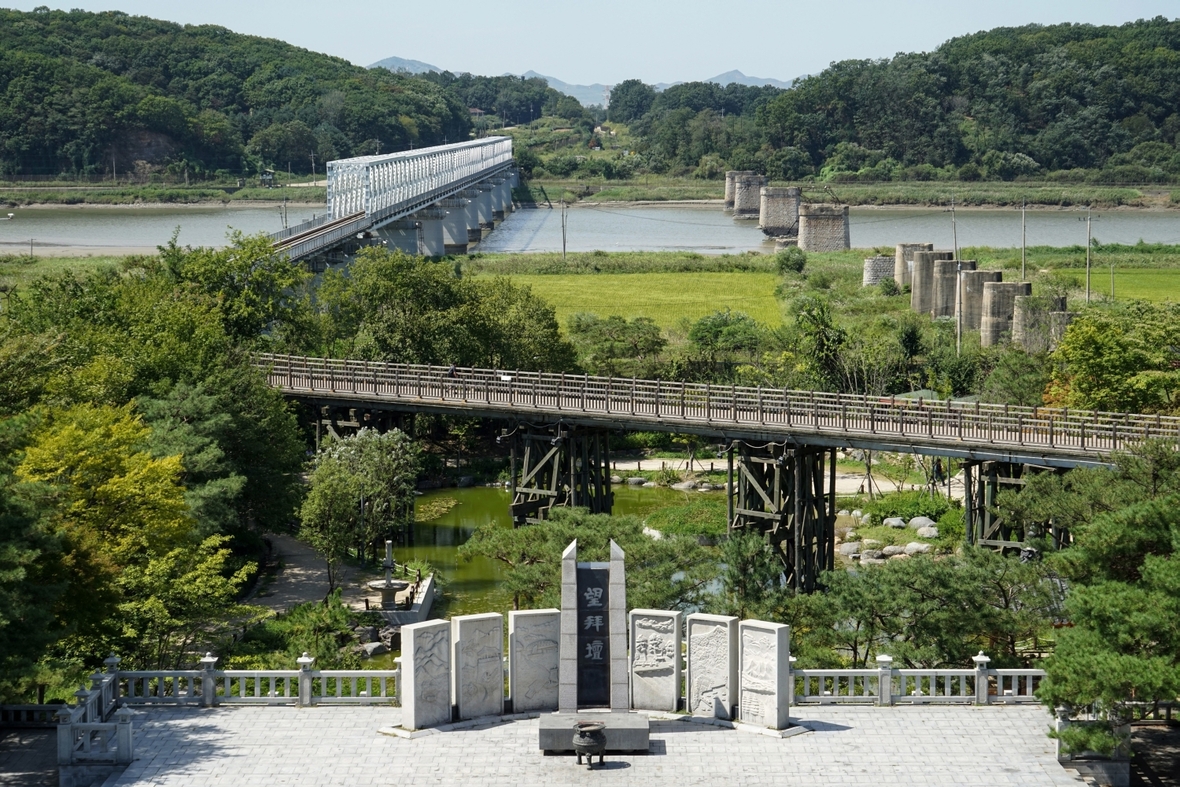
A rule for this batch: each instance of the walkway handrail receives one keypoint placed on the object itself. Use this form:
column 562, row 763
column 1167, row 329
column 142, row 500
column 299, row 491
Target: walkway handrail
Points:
column 1089, row 435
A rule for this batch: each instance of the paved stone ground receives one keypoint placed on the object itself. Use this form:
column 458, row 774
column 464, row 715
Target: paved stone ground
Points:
column 305, row 577
column 28, row 758
column 906, row 746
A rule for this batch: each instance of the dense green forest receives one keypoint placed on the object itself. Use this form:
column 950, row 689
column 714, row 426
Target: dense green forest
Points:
column 1064, row 102
column 84, row 92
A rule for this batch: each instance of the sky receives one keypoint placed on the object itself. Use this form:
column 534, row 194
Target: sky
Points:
column 608, row 41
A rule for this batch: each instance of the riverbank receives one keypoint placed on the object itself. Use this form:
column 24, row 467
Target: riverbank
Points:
column 158, row 196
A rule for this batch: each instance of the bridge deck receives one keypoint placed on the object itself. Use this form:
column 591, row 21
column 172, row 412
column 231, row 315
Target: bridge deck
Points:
column 1044, row 436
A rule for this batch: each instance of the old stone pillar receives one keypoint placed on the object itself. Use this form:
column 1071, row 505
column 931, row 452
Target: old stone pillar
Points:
column 999, row 302
column 903, row 261
column 922, row 279
column 305, row 662
column 946, row 283
column 981, row 662
column 884, row 680
column 747, row 195
column 876, row 269
column 778, row 214
column 823, row 227
column 208, row 681
column 970, row 297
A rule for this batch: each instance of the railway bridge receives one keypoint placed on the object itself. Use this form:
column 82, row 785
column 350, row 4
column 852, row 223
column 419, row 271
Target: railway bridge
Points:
column 780, row 444
column 431, row 201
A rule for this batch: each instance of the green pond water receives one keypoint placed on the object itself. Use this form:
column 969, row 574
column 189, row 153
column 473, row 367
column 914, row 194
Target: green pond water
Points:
column 474, row 586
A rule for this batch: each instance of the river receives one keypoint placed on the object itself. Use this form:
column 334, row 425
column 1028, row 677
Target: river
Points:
column 701, row 228
column 476, row 585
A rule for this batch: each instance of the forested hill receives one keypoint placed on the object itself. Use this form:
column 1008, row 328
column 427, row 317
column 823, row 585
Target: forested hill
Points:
column 1000, row 104
column 77, row 89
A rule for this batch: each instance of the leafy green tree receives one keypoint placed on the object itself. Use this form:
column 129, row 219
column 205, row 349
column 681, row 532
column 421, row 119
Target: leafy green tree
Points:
column 630, row 100
column 1018, row 378
column 616, row 346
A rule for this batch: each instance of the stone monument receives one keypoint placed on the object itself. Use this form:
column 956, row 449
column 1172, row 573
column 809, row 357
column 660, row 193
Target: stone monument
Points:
column 593, row 667
column 426, row 674
column 655, row 659
column 765, row 677
column 533, row 659
column 712, row 679
column 477, row 643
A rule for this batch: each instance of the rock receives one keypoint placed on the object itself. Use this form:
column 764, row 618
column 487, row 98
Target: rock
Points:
column 684, row 486
column 871, row 561
column 636, row 481
column 366, row 634
column 388, row 635
column 850, row 535
column 921, row 521
column 849, row 548
column 893, row 550
column 842, row 512
column 902, row 556
column 650, row 485
column 916, row 548
column 703, row 487
column 866, row 521
column 871, row 543
column 871, row 554
column 654, row 535
column 928, row 532
column 465, row 481
column 616, row 479
column 857, row 513
column 894, row 521
column 375, row 649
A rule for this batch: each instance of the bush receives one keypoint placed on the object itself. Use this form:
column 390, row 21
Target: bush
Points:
column 790, row 260
column 907, row 505
column 889, row 287
column 704, row 516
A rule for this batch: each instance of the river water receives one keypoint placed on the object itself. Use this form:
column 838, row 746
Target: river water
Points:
column 702, row 228
column 476, row 585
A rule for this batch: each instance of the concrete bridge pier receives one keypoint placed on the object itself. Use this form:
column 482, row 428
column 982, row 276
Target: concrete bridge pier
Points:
column 970, row 298
column 471, row 214
column 499, row 195
column 778, row 214
column 946, row 285
column 431, row 239
column 747, row 195
column 454, row 224
column 404, row 234
column 483, row 206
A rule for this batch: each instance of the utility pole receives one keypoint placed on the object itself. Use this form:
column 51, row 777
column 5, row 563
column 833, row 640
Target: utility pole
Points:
column 1023, row 239
column 1088, row 220
column 959, row 308
column 563, row 229
column 313, row 169
column 954, row 227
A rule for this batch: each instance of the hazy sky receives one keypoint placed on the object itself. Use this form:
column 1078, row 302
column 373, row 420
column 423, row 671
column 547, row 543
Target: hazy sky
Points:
column 611, row 40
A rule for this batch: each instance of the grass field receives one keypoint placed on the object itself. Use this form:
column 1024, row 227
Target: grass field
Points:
column 1159, row 284
column 17, row 270
column 667, row 298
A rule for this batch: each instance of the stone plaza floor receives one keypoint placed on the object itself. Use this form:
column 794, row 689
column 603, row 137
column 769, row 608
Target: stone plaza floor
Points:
column 911, row 746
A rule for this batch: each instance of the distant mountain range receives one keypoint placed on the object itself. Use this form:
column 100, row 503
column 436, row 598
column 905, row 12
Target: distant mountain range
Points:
column 597, row 93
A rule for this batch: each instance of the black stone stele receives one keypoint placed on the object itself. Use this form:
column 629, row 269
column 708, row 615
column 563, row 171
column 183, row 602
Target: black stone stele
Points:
column 593, row 583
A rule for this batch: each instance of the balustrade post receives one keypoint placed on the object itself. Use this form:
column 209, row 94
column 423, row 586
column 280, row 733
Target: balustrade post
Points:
column 981, row 662
column 124, row 740
column 305, row 663
column 112, row 664
column 208, row 681
column 884, row 680
column 83, row 697
column 1060, row 724
column 632, row 396
column 791, row 679
column 65, row 737
column 761, row 414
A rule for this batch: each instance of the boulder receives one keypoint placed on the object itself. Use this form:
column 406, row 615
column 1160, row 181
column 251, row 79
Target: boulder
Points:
column 843, row 512
column 650, row 484
column 366, row 634
column 916, row 548
column 850, row 535
column 636, row 481
column 616, row 479
column 902, row 556
column 684, row 486
column 928, row 532
column 872, row 561
column 374, row 649
column 857, row 513
column 871, row 554
column 894, row 521
column 389, row 635
column 704, row 487
column 870, row 543
column 465, row 481
column 893, row 550
column 866, row 520
column 921, row 521
column 849, row 548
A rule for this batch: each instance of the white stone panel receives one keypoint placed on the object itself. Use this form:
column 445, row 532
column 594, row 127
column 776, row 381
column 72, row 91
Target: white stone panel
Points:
column 655, row 659
column 712, row 665
column 426, row 674
column 478, row 642
column 764, row 652
column 533, row 659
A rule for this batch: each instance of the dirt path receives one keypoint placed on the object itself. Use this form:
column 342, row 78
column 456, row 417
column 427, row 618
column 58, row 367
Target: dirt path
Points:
column 304, row 577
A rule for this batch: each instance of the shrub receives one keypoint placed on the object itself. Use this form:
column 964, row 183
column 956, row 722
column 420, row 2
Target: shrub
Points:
column 790, row 260
column 704, row 516
column 908, row 505
column 889, row 287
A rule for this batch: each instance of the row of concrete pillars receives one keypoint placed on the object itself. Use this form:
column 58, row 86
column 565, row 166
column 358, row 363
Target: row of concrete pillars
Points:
column 782, row 214
column 452, row 225
column 979, row 300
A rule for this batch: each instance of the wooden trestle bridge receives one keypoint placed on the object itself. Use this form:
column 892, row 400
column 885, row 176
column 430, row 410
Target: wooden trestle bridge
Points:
column 780, row 444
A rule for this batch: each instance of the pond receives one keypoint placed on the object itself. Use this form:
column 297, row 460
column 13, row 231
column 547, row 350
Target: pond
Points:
column 475, row 585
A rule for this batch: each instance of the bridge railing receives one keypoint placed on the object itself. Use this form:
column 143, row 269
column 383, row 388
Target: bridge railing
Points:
column 374, row 184
column 911, row 420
